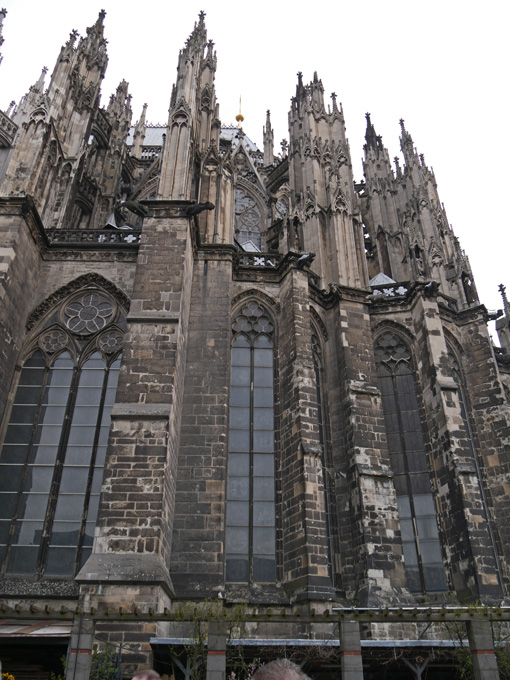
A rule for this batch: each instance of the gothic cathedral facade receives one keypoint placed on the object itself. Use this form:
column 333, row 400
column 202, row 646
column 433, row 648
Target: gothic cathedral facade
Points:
column 235, row 376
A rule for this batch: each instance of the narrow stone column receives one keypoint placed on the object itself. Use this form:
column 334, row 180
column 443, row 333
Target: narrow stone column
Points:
column 481, row 644
column 216, row 651
column 80, row 652
column 350, row 649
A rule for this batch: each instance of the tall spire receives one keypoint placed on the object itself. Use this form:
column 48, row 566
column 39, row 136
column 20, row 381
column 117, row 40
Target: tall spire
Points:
column 503, row 323
column 3, row 12
column 506, row 305
column 373, row 141
column 192, row 113
column 139, row 134
column 317, row 93
column 39, row 85
column 198, row 37
column 407, row 144
column 268, row 141
column 93, row 46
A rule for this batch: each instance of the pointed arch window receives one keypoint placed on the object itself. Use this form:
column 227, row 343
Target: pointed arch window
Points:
column 418, row 522
column 321, row 420
column 457, row 375
column 248, row 221
column 251, row 518
column 54, row 449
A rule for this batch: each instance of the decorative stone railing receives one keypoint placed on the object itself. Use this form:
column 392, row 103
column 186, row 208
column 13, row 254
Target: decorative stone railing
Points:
column 149, row 153
column 260, row 260
column 390, row 290
column 8, row 130
column 94, row 237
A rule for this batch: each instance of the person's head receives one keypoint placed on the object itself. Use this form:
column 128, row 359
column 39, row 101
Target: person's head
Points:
column 147, row 675
column 281, row 669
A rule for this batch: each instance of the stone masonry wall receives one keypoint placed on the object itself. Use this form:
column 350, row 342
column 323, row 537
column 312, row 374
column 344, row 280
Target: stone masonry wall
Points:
column 197, row 564
column 20, row 264
column 374, row 568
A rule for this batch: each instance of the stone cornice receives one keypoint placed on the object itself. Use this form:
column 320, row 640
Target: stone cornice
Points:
column 24, row 206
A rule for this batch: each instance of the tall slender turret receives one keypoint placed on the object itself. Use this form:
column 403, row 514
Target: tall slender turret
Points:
column 57, row 123
column 381, row 221
column 503, row 323
column 268, row 141
column 321, row 184
column 408, row 237
column 139, row 134
column 3, row 12
column 192, row 115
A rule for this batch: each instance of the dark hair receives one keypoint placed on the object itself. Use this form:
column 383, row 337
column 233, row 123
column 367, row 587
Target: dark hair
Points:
column 281, row 669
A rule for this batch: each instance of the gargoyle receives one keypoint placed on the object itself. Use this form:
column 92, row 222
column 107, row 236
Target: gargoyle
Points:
column 431, row 289
column 305, row 260
column 196, row 209
column 135, row 207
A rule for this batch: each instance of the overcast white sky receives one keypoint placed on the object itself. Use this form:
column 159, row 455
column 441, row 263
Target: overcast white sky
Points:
column 441, row 65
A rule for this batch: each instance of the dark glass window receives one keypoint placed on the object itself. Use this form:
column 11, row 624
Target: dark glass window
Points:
column 53, row 455
column 251, row 523
column 418, row 523
column 317, row 367
column 458, row 377
column 248, row 221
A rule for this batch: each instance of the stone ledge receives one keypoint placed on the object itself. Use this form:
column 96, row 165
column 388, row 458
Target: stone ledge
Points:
column 311, row 449
column 447, row 384
column 144, row 411
column 367, row 471
column 361, row 388
column 126, row 568
column 153, row 317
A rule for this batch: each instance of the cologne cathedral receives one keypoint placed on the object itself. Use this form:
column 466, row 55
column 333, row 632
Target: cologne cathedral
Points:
column 249, row 404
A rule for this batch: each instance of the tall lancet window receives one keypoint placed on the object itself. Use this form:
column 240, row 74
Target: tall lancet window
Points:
column 251, row 525
column 318, row 367
column 248, row 222
column 418, row 523
column 53, row 454
column 457, row 375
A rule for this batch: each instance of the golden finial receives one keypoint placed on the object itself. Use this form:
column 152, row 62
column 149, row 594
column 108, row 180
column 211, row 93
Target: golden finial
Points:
column 239, row 116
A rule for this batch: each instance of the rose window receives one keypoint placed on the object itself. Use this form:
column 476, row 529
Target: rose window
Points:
column 111, row 342
column 88, row 314
column 53, row 341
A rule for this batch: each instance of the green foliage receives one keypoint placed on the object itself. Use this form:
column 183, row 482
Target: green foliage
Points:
column 104, row 664
column 198, row 616
column 63, row 675
column 462, row 654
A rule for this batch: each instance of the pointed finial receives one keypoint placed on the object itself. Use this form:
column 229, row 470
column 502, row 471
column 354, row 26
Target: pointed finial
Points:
column 201, row 17
column 506, row 305
column 72, row 38
column 239, row 116
column 39, row 84
column 3, row 12
column 370, row 135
